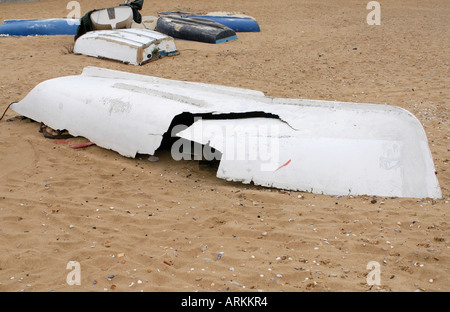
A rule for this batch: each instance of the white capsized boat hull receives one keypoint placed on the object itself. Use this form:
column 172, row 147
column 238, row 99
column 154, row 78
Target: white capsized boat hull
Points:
column 133, row 46
column 324, row 147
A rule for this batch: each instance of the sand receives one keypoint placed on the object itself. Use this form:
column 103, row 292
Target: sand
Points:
column 136, row 225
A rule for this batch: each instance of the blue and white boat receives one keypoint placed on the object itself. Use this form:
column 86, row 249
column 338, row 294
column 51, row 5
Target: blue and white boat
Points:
column 39, row 27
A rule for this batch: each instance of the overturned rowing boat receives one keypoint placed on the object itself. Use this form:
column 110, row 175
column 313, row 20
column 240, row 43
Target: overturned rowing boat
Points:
column 322, row 147
column 194, row 29
column 236, row 21
column 131, row 46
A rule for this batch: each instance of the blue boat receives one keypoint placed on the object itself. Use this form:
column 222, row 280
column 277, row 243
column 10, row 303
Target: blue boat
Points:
column 237, row 22
column 195, row 29
column 39, row 27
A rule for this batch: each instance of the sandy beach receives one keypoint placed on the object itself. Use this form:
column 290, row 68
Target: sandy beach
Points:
column 135, row 225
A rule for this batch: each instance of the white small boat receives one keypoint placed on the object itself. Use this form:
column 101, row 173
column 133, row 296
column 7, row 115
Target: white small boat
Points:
column 323, row 147
column 132, row 46
column 112, row 18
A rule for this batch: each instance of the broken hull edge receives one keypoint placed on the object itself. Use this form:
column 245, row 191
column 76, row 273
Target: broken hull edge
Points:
column 331, row 166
